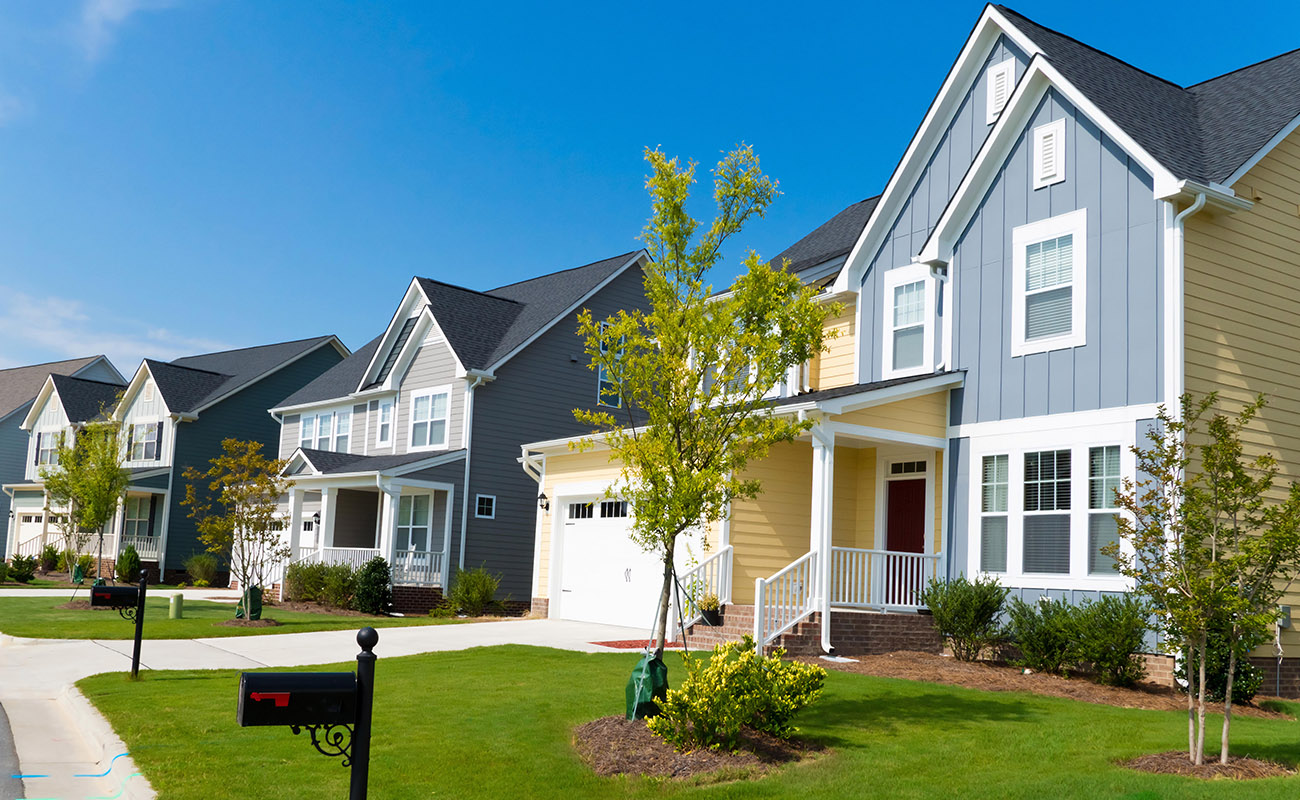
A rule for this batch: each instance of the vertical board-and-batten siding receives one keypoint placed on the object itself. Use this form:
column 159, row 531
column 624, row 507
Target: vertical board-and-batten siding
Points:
column 929, row 196
column 1121, row 361
column 140, row 411
column 1243, row 313
column 532, row 399
column 434, row 366
column 242, row 416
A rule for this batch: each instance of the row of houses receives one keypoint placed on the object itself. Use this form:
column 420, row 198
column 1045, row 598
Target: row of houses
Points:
column 1066, row 243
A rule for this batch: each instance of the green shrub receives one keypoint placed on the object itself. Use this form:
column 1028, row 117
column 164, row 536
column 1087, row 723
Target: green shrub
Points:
column 1047, row 633
column 474, row 591
column 442, row 611
column 49, row 558
column 128, row 565
column 735, row 689
column 4, row 571
column 62, row 564
column 87, row 563
column 1248, row 678
column 966, row 613
column 23, row 568
column 373, row 594
column 202, row 567
column 304, row 583
column 1111, row 632
column 338, row 584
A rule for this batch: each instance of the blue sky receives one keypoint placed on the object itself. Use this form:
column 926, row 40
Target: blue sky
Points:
column 188, row 175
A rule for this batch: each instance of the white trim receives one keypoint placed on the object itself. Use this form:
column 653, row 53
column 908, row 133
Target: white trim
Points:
column 1037, row 80
column 404, row 311
column 891, row 280
column 1250, row 163
column 379, row 420
column 1171, row 291
column 1006, row 70
column 411, row 422
column 1047, row 423
column 875, row 397
column 883, row 461
column 884, row 435
column 1053, row 132
column 1074, row 225
column 479, row 497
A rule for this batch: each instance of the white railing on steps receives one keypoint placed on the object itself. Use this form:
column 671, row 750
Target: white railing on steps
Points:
column 784, row 600
column 712, row 576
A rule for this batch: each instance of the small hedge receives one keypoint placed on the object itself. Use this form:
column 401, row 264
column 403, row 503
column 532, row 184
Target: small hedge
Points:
column 23, row 569
column 966, row 613
column 1248, row 678
column 202, row 568
column 473, row 592
column 49, row 558
column 1104, row 636
column 733, row 690
column 4, row 571
column 338, row 585
column 373, row 593
column 1047, row 633
column 128, row 565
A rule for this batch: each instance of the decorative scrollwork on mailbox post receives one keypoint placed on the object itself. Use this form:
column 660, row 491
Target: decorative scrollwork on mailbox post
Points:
column 332, row 741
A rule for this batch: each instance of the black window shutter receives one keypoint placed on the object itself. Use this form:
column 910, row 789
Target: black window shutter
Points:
column 130, row 440
column 153, row 511
column 37, row 458
column 157, row 456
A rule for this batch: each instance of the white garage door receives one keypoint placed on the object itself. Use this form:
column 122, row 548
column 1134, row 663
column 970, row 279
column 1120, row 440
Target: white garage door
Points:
column 29, row 522
column 606, row 577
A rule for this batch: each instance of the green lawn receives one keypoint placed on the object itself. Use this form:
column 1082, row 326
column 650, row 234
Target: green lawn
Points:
column 497, row 722
column 39, row 617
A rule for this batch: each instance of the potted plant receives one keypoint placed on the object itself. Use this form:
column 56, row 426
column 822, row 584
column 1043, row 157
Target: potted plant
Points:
column 710, row 609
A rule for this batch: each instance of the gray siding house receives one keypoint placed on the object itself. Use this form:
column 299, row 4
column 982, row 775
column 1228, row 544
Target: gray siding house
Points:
column 409, row 448
column 21, row 502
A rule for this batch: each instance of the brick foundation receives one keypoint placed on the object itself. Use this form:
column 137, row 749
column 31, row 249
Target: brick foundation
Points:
column 541, row 607
column 852, row 632
column 416, row 599
column 1160, row 669
column 1289, row 685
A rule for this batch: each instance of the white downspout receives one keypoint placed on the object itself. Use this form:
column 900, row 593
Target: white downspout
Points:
column 468, row 436
column 1177, row 307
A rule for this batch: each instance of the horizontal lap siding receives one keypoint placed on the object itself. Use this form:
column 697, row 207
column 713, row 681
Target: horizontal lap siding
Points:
column 834, row 367
column 434, row 365
column 1243, row 315
column 531, row 400
column 926, row 415
column 13, row 460
column 774, row 528
column 289, row 433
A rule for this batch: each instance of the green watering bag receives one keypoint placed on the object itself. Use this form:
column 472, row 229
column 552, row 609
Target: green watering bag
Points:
column 648, row 683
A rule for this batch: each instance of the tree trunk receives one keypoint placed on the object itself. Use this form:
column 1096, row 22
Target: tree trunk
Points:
column 665, row 597
column 1191, row 703
column 1200, row 705
column 1227, row 706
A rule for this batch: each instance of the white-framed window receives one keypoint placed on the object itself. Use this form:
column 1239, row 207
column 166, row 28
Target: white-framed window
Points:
column 581, row 510
column 908, row 322
column 384, row 424
column 429, row 419
column 136, row 516
column 1001, row 81
column 1049, row 154
column 606, row 392
column 995, row 477
column 1046, row 544
column 1049, row 284
column 1103, row 522
column 329, row 430
column 485, row 506
column 143, row 440
column 413, row 522
column 47, row 448
column 610, row 509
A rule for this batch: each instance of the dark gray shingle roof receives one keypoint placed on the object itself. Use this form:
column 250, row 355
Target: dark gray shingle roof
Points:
column 331, row 463
column 85, row 400
column 20, row 385
column 339, row 380
column 1202, row 132
column 832, row 239
column 857, row 388
column 191, row 382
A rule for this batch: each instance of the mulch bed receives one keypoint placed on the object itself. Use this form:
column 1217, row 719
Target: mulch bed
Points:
column 633, row 644
column 247, row 623
column 84, row 605
column 618, row 746
column 314, row 608
column 917, row 666
column 1238, row 767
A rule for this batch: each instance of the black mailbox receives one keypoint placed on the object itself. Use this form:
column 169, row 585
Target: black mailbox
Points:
column 114, row 596
column 297, row 698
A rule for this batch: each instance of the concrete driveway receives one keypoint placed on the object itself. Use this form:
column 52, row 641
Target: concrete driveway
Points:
column 62, row 738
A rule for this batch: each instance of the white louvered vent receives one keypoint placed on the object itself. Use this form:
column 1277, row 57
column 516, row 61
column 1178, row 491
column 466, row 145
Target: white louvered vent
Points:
column 1049, row 154
column 1001, row 80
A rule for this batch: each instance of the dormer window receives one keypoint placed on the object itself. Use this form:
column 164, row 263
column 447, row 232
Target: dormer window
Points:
column 908, row 322
column 1000, row 81
column 1049, row 154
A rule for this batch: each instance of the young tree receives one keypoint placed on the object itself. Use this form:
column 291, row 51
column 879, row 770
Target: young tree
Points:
column 1205, row 543
column 236, row 514
column 691, row 373
column 89, row 481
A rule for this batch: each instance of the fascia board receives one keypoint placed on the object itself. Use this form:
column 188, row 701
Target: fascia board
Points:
column 402, row 312
column 33, row 413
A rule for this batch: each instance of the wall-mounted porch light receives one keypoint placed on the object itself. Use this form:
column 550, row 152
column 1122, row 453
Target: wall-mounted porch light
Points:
column 543, row 502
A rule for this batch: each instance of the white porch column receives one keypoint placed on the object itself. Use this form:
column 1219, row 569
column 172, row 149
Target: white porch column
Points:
column 118, row 526
column 294, row 523
column 823, row 493
column 329, row 499
column 390, row 497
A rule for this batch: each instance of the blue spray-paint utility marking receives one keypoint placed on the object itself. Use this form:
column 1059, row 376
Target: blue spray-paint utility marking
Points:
column 104, row 774
column 119, row 791
column 28, row 777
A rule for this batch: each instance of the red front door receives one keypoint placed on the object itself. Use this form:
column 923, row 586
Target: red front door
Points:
column 905, row 516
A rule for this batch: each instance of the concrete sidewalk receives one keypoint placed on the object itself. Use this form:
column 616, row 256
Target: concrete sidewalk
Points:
column 58, row 734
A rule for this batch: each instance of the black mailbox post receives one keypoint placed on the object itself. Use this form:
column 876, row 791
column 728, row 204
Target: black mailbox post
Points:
column 334, row 707
column 129, row 602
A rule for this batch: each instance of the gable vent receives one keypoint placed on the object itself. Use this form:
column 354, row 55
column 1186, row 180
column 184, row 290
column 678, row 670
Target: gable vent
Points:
column 1049, row 154
column 1001, row 80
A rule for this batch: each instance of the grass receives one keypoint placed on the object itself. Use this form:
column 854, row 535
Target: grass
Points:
column 39, row 618
column 35, row 583
column 497, row 722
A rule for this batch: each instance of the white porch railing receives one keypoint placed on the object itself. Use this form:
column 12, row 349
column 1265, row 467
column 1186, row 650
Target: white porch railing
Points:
column 713, row 576
column 147, row 547
column 784, row 600
column 417, row 568
column 31, row 547
column 352, row 556
column 881, row 579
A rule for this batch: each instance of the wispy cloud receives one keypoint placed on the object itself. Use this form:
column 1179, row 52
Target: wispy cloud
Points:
column 35, row 329
column 101, row 19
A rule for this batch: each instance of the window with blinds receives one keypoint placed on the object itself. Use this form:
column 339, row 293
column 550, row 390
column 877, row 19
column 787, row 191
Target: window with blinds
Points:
column 909, row 325
column 1049, row 288
column 993, row 513
column 1000, row 81
column 1046, row 541
column 1049, row 300
column 1049, row 154
column 1103, row 527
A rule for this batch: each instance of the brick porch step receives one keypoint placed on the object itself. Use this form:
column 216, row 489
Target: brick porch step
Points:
column 852, row 632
